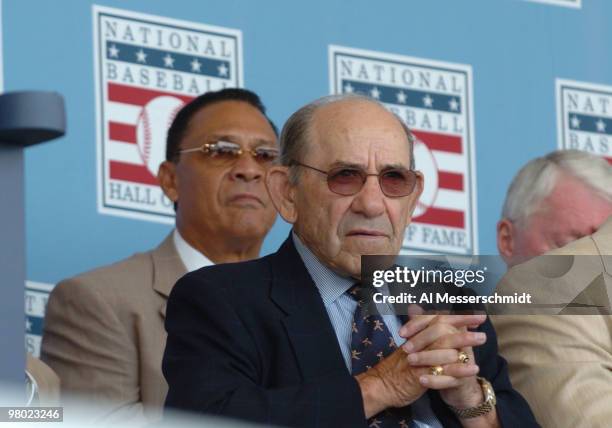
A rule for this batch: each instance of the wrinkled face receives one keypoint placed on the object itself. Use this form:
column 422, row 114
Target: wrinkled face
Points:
column 221, row 200
column 571, row 211
column 340, row 229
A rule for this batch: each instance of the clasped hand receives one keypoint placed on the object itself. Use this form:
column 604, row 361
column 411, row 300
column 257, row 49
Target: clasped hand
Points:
column 431, row 340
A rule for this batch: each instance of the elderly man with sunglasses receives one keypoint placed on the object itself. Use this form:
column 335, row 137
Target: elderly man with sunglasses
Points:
column 283, row 340
column 104, row 332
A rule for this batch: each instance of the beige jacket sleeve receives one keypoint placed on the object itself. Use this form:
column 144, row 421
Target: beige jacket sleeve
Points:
column 91, row 349
column 562, row 364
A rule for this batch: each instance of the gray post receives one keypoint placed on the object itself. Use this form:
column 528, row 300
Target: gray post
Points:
column 26, row 118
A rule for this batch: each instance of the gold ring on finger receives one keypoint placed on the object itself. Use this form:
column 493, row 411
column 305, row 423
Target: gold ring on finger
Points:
column 436, row 370
column 463, row 357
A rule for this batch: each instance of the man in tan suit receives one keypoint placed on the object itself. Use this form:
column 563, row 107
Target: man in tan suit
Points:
column 104, row 330
column 562, row 364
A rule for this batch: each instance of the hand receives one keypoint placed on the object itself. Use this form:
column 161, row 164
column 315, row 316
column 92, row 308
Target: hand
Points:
column 435, row 340
column 393, row 382
column 399, row 379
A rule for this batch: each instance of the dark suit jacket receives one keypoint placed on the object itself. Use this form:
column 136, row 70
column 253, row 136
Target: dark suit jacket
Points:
column 253, row 341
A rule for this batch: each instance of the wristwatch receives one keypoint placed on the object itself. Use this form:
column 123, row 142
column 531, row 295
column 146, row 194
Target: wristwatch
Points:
column 483, row 408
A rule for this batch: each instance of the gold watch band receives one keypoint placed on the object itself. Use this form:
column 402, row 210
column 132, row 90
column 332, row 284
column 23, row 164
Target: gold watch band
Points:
column 482, row 409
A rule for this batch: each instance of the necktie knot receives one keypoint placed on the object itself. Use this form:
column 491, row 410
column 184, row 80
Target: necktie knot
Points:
column 358, row 292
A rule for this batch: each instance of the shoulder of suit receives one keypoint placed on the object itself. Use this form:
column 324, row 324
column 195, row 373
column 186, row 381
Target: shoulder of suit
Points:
column 131, row 273
column 582, row 246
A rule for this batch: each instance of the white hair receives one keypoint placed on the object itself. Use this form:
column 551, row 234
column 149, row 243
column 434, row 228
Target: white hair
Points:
column 536, row 180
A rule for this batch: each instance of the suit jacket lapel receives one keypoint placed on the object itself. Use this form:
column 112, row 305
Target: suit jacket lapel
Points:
column 167, row 269
column 307, row 323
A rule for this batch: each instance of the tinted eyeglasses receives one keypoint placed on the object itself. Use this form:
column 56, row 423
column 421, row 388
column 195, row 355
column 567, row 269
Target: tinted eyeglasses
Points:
column 348, row 181
column 226, row 152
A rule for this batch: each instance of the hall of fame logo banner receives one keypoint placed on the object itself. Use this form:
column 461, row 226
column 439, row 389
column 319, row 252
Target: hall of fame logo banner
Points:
column 584, row 117
column 147, row 67
column 435, row 100
column 36, row 297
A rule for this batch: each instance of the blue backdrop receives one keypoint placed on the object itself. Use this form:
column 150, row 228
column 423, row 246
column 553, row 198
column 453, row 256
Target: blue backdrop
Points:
column 516, row 50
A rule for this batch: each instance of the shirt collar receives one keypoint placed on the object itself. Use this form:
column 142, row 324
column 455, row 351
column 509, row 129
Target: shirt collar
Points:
column 330, row 285
column 191, row 258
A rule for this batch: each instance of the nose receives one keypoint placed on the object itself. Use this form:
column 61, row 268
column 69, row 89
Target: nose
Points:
column 247, row 169
column 370, row 201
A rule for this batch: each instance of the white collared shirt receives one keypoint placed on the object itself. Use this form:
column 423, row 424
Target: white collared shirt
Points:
column 191, row 258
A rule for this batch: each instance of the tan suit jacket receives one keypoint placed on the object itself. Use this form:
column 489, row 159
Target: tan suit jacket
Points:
column 104, row 333
column 562, row 364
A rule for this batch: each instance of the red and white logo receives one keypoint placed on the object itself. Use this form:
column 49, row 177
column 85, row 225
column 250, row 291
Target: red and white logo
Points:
column 435, row 100
column 147, row 68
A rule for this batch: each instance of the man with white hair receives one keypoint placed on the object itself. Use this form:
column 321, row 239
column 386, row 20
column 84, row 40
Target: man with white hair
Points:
column 560, row 205
column 552, row 201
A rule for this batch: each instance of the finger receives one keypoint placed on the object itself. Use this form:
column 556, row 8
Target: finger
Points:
column 439, row 382
column 438, row 357
column 462, row 320
column 419, row 322
column 459, row 370
column 415, row 325
column 465, row 339
column 428, row 336
column 414, row 310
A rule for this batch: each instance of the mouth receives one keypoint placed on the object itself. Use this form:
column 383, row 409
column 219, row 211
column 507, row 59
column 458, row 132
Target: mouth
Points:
column 245, row 199
column 365, row 233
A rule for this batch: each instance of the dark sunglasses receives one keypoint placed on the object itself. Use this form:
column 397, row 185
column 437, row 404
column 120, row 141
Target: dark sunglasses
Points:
column 348, row 181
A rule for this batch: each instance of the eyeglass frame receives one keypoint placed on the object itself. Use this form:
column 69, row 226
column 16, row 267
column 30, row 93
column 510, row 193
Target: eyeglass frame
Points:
column 206, row 149
column 366, row 175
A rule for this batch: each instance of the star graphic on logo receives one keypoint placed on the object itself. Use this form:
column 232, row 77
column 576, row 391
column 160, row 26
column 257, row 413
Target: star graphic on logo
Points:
column 378, row 325
column 601, row 126
column 574, row 122
column 141, row 56
column 375, row 93
column 380, row 356
column 366, row 342
column 427, row 101
column 401, row 97
column 196, row 65
column 222, row 70
column 355, row 354
column 348, row 88
column 453, row 104
column 28, row 325
column 168, row 61
column 113, row 51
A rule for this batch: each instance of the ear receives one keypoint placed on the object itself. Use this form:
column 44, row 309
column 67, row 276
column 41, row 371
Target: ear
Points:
column 168, row 181
column 505, row 239
column 282, row 192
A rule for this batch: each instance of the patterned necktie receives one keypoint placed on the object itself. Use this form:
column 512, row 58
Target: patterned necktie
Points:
column 371, row 341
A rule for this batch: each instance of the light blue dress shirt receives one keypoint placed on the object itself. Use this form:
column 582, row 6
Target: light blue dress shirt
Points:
column 340, row 308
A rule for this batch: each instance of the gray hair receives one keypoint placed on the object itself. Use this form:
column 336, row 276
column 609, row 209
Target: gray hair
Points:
column 294, row 136
column 536, row 180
